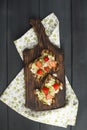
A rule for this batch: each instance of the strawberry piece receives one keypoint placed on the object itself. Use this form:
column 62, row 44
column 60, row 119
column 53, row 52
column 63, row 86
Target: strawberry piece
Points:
column 46, row 68
column 46, row 58
column 40, row 72
column 49, row 96
column 56, row 86
column 45, row 90
column 39, row 64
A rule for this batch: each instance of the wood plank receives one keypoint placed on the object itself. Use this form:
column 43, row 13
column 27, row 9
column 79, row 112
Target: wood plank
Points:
column 79, row 29
column 62, row 9
column 3, row 61
column 19, row 13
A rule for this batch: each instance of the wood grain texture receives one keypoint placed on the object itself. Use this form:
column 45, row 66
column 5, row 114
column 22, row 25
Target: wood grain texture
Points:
column 3, row 63
column 19, row 13
column 79, row 37
column 17, row 25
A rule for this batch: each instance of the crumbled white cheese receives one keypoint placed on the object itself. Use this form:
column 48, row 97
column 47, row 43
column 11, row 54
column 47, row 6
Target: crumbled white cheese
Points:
column 55, row 75
column 61, row 87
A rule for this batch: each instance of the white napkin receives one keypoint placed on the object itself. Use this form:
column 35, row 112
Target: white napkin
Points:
column 14, row 95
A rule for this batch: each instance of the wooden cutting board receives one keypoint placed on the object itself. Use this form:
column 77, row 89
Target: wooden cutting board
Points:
column 29, row 55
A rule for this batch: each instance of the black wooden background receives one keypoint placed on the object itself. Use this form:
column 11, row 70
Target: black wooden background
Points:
column 14, row 16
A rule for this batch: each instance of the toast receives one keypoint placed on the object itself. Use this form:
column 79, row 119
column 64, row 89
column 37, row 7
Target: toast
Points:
column 49, row 89
column 41, row 66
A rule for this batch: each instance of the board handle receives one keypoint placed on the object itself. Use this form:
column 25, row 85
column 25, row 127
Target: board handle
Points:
column 43, row 40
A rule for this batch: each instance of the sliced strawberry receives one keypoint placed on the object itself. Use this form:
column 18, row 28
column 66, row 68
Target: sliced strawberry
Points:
column 39, row 64
column 40, row 72
column 46, row 68
column 45, row 90
column 46, row 58
column 56, row 86
column 49, row 96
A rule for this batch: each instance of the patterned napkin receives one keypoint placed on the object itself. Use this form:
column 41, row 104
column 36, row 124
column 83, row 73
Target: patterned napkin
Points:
column 14, row 95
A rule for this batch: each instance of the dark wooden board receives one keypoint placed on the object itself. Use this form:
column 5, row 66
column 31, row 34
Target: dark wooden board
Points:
column 31, row 83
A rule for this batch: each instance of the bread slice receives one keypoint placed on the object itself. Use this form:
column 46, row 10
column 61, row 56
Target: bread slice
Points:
column 41, row 66
column 49, row 89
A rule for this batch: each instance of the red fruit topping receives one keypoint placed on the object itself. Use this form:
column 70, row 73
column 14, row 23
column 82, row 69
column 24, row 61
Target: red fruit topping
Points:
column 56, row 86
column 40, row 72
column 46, row 58
column 45, row 90
column 46, row 68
